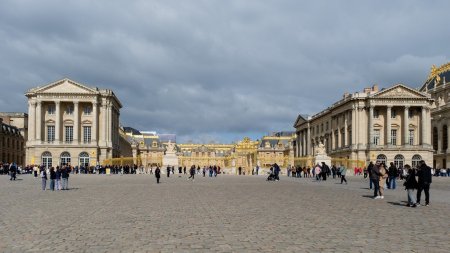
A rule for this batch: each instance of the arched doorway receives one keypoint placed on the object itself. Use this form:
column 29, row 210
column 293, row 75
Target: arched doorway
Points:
column 381, row 159
column 65, row 158
column 84, row 159
column 47, row 159
column 415, row 161
column 399, row 161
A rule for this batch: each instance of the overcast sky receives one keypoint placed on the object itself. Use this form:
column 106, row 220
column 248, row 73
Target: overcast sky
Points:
column 219, row 70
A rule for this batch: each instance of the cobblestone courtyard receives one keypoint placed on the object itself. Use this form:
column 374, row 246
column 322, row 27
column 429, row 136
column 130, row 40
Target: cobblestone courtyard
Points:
column 132, row 213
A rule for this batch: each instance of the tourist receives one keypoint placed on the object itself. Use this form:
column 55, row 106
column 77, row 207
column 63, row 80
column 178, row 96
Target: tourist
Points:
column 288, row 170
column 424, row 179
column 410, row 185
column 383, row 175
column 184, row 170
column 204, row 171
column 317, row 171
column 58, row 179
column 157, row 174
column 257, row 169
column 192, row 172
column 35, row 170
column 168, row 171
column 276, row 170
column 240, row 170
column 343, row 172
column 52, row 178
column 12, row 171
column 43, row 175
column 325, row 171
column 370, row 173
column 65, row 177
column 392, row 176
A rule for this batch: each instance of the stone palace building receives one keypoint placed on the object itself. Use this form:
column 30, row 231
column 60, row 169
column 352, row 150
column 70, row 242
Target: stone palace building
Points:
column 71, row 123
column 388, row 125
column 438, row 87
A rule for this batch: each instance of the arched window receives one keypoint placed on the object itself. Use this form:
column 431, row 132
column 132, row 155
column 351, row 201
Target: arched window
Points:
column 399, row 161
column 47, row 159
column 435, row 138
column 84, row 159
column 381, row 159
column 65, row 158
column 415, row 161
column 444, row 138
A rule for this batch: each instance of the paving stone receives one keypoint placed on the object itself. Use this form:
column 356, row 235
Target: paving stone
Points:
column 132, row 213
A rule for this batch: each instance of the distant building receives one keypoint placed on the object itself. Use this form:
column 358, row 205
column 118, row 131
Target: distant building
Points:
column 388, row 125
column 12, row 144
column 71, row 123
column 277, row 148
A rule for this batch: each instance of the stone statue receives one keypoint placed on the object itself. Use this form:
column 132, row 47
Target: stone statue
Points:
column 170, row 147
column 320, row 149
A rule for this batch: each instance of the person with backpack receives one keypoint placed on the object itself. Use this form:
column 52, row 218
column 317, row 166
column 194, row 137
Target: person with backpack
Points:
column 343, row 172
column 52, row 178
column 12, row 171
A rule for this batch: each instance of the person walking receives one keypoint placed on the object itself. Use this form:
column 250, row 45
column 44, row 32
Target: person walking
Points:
column 277, row 172
column 410, row 185
column 65, row 178
column 157, row 174
column 370, row 172
column 383, row 174
column 393, row 174
column 343, row 172
column 12, row 171
column 424, row 179
column 192, row 173
column 257, row 169
column 317, row 171
column 43, row 175
column 58, row 179
column 52, row 178
column 325, row 171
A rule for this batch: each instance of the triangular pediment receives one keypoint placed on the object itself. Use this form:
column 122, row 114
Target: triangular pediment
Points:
column 65, row 86
column 400, row 91
column 300, row 120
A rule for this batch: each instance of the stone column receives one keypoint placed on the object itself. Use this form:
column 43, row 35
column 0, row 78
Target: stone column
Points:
column 345, row 144
column 423, row 126
column 57, row 121
column 308, row 140
column 38, row 122
column 110, row 124
column 76, row 123
column 95, row 123
column 353, row 128
column 371, row 126
column 406, row 126
column 388, row 124
column 31, row 121
column 105, row 123
column 439, row 133
column 448, row 138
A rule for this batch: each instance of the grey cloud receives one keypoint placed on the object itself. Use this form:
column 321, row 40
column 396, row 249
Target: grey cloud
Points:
column 219, row 69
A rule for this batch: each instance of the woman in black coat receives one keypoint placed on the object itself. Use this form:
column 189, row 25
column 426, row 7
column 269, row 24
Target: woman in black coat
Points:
column 410, row 185
column 157, row 174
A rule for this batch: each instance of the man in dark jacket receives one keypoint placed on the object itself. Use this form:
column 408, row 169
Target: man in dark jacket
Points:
column 325, row 171
column 375, row 177
column 392, row 172
column 424, row 180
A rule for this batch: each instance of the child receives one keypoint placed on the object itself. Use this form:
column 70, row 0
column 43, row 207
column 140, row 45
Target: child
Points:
column 410, row 185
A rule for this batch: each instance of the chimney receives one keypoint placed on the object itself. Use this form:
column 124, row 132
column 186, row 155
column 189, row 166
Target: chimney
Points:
column 367, row 90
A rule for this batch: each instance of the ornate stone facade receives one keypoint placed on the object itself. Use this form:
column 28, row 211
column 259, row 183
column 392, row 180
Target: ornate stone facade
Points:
column 391, row 125
column 438, row 87
column 72, row 123
column 276, row 148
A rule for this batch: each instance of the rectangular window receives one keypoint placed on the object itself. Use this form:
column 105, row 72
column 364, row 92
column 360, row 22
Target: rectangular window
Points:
column 51, row 109
column 411, row 137
column 376, row 136
column 349, row 137
column 69, row 134
column 87, row 134
column 375, row 114
column 394, row 137
column 69, row 110
column 342, row 138
column 50, row 133
column 87, row 110
column 393, row 114
column 411, row 113
column 326, row 126
column 336, row 138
